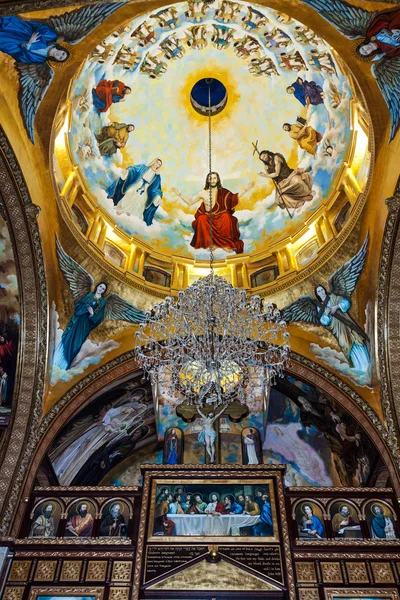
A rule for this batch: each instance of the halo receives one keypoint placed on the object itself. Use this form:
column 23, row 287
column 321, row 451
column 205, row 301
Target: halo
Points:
column 358, row 56
column 306, row 504
column 351, row 509
column 80, row 504
column 213, row 494
column 59, row 65
column 48, row 504
column 198, row 494
column 119, row 504
column 381, row 506
column 176, row 488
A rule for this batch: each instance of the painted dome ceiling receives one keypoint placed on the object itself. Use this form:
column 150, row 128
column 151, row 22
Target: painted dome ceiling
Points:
column 274, row 71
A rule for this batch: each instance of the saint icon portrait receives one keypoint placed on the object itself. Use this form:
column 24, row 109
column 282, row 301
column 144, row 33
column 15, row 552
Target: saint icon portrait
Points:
column 251, row 446
column 225, row 226
column 113, row 523
column 310, row 521
column 345, row 523
column 80, row 520
column 45, row 521
column 173, row 446
column 380, row 521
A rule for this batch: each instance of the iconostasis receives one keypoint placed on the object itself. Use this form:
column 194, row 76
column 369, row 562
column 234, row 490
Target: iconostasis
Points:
column 102, row 107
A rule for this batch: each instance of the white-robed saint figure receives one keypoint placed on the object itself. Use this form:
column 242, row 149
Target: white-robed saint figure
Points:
column 139, row 192
column 250, row 440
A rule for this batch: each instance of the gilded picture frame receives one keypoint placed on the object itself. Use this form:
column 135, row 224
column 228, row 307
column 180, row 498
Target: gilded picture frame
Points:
column 221, row 488
column 371, row 593
column 97, row 593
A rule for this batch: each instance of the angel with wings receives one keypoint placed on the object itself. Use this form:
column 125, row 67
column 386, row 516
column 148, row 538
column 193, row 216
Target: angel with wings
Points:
column 330, row 310
column 380, row 31
column 35, row 45
column 91, row 309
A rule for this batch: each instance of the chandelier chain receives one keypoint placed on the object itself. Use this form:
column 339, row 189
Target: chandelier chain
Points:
column 213, row 345
column 209, row 182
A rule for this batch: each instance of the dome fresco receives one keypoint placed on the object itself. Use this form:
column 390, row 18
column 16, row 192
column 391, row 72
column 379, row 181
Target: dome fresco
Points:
column 275, row 70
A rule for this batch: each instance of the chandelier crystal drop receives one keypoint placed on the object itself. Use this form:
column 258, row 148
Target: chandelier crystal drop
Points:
column 213, row 344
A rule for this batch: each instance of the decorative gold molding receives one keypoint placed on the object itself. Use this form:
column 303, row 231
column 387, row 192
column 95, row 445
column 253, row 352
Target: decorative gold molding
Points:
column 345, row 556
column 27, row 402
column 388, row 311
column 73, row 554
column 94, row 489
column 71, row 570
column 97, row 592
column 350, row 542
column 75, row 541
column 335, row 594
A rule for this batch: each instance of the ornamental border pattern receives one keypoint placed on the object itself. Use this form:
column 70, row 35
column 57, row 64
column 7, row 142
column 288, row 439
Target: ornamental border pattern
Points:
column 21, row 216
column 388, row 310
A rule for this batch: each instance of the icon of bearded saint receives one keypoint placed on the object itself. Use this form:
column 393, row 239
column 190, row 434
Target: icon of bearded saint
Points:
column 380, row 31
column 35, row 47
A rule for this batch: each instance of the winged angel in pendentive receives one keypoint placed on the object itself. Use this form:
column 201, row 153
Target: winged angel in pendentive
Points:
column 36, row 46
column 91, row 309
column 378, row 35
column 331, row 308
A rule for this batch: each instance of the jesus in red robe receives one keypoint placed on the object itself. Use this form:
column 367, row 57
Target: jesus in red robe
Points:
column 225, row 227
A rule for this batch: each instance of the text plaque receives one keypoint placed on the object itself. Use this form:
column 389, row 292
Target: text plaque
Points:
column 162, row 559
column 266, row 560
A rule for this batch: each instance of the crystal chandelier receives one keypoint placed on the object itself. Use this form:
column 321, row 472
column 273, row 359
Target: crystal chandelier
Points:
column 213, row 343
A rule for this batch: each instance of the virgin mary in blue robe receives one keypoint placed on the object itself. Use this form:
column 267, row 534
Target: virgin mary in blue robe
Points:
column 118, row 189
column 15, row 35
column 78, row 329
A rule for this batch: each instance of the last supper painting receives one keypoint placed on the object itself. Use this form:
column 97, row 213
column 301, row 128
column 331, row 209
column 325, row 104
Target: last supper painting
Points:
column 238, row 509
